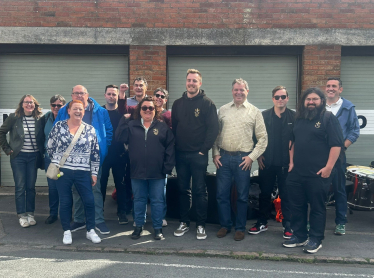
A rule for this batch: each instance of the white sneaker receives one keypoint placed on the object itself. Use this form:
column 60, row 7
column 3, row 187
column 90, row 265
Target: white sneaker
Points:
column 200, row 233
column 23, row 222
column 31, row 220
column 91, row 235
column 67, row 237
column 164, row 223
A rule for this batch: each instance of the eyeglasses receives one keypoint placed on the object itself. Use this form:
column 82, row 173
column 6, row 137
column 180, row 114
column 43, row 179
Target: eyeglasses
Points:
column 79, row 93
column 28, row 102
column 150, row 108
column 56, row 105
column 160, row 96
column 312, row 99
column 278, row 97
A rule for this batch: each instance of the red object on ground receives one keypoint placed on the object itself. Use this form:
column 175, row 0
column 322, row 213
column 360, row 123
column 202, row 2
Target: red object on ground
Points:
column 277, row 204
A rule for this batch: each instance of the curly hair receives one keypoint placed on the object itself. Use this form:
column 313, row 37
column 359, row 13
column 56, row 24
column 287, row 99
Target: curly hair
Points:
column 37, row 110
column 136, row 115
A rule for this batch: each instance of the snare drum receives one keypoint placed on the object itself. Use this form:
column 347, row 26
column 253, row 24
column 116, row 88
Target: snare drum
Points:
column 362, row 196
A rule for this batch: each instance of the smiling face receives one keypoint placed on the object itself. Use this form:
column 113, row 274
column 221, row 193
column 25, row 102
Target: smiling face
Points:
column 28, row 106
column 333, row 90
column 147, row 115
column 80, row 93
column 56, row 106
column 139, row 88
column 239, row 93
column 280, row 94
column 76, row 112
column 193, row 83
column 312, row 101
column 159, row 100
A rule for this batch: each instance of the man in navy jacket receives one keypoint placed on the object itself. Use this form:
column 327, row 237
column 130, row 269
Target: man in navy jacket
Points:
column 344, row 110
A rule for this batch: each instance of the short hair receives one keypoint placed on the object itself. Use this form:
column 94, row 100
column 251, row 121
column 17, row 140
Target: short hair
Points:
column 141, row 78
column 307, row 92
column 111, row 86
column 57, row 97
column 74, row 101
column 166, row 93
column 337, row 79
column 240, row 81
column 276, row 89
column 194, row 71
column 81, row 86
column 136, row 114
column 36, row 113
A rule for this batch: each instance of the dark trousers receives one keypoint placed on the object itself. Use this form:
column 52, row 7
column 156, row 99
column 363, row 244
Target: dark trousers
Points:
column 304, row 190
column 268, row 177
column 118, row 165
column 340, row 195
column 52, row 190
column 192, row 164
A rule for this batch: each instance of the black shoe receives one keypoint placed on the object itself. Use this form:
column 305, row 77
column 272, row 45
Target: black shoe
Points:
column 137, row 233
column 158, row 234
column 312, row 246
column 51, row 219
column 122, row 219
column 294, row 242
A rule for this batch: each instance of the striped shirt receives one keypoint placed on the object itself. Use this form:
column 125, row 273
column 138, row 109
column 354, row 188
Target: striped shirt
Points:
column 29, row 142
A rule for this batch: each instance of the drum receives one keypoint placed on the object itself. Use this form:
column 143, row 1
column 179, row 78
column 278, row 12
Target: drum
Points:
column 362, row 195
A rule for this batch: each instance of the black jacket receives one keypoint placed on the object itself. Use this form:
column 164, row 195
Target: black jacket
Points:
column 288, row 120
column 151, row 156
column 195, row 123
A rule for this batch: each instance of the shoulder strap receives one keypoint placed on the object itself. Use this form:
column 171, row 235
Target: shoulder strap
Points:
column 71, row 146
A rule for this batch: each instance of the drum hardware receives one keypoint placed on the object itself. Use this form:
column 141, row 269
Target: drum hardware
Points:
column 362, row 196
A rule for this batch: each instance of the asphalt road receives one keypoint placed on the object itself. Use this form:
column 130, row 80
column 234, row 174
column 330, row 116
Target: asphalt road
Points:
column 27, row 262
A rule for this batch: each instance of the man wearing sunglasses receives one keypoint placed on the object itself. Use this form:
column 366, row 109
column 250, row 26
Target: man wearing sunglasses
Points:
column 273, row 164
column 344, row 110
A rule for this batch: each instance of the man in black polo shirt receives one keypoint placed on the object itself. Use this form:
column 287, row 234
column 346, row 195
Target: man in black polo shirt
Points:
column 315, row 147
column 274, row 162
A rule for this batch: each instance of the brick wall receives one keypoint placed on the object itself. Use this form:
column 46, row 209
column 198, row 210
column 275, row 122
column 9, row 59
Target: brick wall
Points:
column 189, row 13
column 150, row 62
column 320, row 62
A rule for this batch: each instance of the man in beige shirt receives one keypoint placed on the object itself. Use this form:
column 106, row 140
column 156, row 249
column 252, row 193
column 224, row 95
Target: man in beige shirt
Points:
column 233, row 154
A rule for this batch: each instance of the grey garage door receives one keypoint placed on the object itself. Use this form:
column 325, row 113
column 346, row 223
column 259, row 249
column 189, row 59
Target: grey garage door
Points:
column 357, row 75
column 261, row 73
column 46, row 75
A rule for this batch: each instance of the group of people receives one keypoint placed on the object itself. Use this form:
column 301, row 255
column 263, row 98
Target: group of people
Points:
column 141, row 142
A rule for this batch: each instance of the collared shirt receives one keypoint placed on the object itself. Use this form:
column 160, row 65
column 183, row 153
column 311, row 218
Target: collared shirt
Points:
column 334, row 108
column 131, row 101
column 236, row 128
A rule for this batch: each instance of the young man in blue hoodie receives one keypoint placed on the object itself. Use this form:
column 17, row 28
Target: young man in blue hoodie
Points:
column 344, row 110
column 98, row 117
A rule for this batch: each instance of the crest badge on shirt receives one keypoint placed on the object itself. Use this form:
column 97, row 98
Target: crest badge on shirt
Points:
column 155, row 131
column 197, row 112
column 317, row 125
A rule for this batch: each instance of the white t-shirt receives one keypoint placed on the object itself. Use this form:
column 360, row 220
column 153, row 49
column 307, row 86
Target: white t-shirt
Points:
column 334, row 108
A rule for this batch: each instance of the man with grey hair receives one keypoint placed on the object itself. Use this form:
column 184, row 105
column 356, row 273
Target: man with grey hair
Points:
column 233, row 154
column 140, row 86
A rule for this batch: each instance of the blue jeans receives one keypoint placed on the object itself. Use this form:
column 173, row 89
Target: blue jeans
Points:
column 154, row 189
column 82, row 183
column 230, row 170
column 24, row 174
column 340, row 195
column 79, row 208
column 52, row 190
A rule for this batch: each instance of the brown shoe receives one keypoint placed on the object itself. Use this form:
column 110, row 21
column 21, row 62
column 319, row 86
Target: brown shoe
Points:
column 222, row 232
column 239, row 235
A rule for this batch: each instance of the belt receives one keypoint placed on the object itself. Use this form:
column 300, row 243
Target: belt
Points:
column 222, row 151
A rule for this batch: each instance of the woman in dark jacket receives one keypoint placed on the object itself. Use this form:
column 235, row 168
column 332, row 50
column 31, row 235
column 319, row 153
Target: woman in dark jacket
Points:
column 151, row 150
column 25, row 147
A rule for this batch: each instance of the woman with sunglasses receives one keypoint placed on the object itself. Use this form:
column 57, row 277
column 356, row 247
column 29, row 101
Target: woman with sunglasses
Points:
column 25, row 148
column 151, row 151
column 161, row 98
column 56, row 102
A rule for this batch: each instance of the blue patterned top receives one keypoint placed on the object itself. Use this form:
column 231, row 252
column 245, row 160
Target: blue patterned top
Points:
column 85, row 154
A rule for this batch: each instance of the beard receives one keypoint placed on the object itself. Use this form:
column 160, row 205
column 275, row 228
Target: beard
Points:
column 313, row 113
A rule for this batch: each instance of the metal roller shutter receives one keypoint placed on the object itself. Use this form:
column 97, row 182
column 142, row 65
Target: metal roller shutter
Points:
column 46, row 75
column 357, row 75
column 262, row 73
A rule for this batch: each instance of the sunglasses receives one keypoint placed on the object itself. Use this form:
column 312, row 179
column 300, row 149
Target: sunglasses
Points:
column 160, row 96
column 282, row 97
column 150, row 108
column 56, row 105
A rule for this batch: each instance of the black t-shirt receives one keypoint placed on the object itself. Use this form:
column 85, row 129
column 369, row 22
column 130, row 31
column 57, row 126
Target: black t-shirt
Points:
column 313, row 140
column 115, row 148
column 277, row 151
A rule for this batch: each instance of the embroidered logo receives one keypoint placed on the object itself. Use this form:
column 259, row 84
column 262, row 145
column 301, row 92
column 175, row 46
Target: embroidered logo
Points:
column 318, row 125
column 155, row 131
column 197, row 112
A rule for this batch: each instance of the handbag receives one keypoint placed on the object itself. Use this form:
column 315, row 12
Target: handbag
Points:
column 53, row 171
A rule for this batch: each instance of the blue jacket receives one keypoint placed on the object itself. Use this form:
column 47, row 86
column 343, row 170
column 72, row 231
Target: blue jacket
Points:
column 348, row 121
column 101, row 123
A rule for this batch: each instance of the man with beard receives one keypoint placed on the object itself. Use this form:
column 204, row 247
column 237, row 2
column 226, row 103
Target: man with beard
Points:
column 195, row 128
column 344, row 110
column 314, row 149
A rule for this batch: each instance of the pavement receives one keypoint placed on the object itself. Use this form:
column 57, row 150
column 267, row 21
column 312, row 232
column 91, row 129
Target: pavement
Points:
column 355, row 247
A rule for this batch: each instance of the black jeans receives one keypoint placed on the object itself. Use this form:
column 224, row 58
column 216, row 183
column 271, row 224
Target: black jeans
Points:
column 192, row 164
column 118, row 165
column 268, row 177
column 304, row 190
